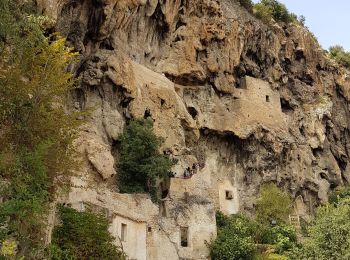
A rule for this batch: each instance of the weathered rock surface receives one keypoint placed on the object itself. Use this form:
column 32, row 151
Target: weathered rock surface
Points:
column 250, row 103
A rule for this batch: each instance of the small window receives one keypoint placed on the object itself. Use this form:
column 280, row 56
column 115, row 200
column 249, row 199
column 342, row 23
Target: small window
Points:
column 267, row 98
column 184, row 236
column 123, row 233
column 228, row 195
column 149, row 229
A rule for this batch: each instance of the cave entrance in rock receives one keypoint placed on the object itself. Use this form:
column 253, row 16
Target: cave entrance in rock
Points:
column 193, row 112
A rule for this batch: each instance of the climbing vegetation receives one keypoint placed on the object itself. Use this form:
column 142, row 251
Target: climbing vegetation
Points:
column 83, row 235
column 36, row 132
column 140, row 160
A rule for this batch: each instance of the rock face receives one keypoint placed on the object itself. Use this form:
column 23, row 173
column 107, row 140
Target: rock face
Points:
column 247, row 102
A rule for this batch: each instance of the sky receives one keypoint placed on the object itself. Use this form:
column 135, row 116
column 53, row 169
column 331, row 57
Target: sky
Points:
column 328, row 20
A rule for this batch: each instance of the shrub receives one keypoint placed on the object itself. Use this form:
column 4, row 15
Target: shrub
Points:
column 273, row 204
column 263, row 13
column 235, row 238
column 339, row 195
column 268, row 9
column 247, row 4
column 140, row 161
column 279, row 11
column 83, row 235
column 282, row 236
column 329, row 234
column 342, row 57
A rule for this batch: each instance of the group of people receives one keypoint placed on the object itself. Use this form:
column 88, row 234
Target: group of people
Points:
column 189, row 172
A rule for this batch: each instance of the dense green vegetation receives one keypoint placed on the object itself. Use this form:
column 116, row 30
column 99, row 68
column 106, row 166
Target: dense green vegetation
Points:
column 327, row 236
column 140, row 161
column 273, row 204
column 36, row 133
column 235, row 238
column 271, row 10
column 83, row 235
column 239, row 236
column 342, row 57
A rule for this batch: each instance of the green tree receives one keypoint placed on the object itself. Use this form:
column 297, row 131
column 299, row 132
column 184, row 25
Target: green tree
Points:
column 328, row 235
column 37, row 133
column 140, row 160
column 273, row 204
column 268, row 9
column 83, row 235
column 235, row 238
column 283, row 237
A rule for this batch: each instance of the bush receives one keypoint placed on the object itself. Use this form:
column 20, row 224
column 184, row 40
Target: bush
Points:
column 140, row 161
column 342, row 57
column 263, row 13
column 339, row 195
column 273, row 204
column 329, row 234
column 83, row 235
column 282, row 236
column 235, row 238
column 268, row 9
column 247, row 4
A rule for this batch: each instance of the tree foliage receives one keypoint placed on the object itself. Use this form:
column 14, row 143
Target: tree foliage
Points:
column 36, row 133
column 268, row 10
column 83, row 235
column 328, row 236
column 235, row 238
column 140, row 161
column 342, row 57
column 273, row 204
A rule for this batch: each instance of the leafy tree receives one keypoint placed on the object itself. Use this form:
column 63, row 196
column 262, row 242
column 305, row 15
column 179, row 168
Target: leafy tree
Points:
column 235, row 238
column 279, row 11
column 282, row 236
column 140, row 161
column 83, row 235
column 342, row 57
column 328, row 235
column 36, row 132
column 268, row 9
column 273, row 204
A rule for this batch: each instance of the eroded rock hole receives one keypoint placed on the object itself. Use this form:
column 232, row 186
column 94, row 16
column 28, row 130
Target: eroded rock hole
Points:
column 147, row 114
column 193, row 112
column 286, row 106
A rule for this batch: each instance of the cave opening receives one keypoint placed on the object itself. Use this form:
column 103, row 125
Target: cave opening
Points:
column 193, row 112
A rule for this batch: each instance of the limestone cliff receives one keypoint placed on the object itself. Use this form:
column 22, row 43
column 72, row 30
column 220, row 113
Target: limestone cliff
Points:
column 250, row 103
